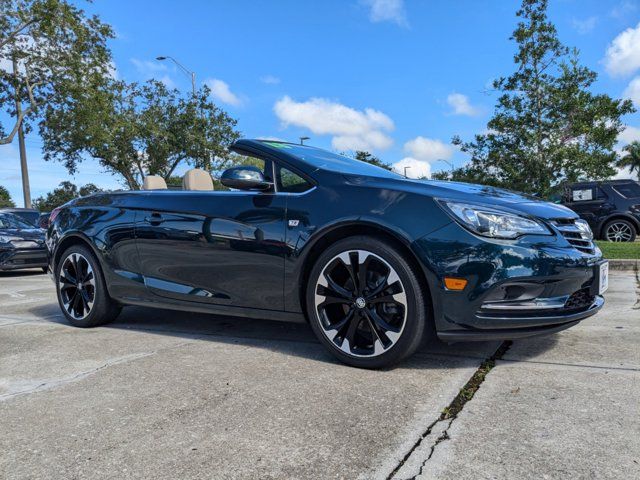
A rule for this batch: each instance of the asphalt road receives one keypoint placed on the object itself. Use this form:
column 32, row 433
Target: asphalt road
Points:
column 177, row 395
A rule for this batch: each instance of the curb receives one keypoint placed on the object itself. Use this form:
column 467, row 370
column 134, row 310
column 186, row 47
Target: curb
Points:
column 622, row 264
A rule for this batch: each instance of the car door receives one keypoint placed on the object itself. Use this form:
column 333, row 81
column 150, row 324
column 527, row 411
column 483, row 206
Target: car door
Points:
column 216, row 247
column 589, row 202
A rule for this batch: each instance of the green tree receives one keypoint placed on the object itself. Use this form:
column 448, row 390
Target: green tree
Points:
column 65, row 192
column 547, row 126
column 137, row 130
column 632, row 158
column 5, row 198
column 57, row 51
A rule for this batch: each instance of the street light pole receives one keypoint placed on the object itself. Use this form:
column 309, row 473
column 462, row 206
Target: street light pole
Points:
column 302, row 139
column 405, row 172
column 26, row 190
column 447, row 162
column 184, row 69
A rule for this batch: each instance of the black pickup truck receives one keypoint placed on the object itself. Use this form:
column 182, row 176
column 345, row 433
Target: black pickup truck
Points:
column 612, row 208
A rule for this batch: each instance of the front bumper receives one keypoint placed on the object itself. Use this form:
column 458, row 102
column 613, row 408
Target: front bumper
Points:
column 18, row 258
column 535, row 285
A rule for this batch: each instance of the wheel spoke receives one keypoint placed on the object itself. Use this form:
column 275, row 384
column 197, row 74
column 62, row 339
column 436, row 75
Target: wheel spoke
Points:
column 381, row 322
column 363, row 328
column 334, row 290
column 354, row 270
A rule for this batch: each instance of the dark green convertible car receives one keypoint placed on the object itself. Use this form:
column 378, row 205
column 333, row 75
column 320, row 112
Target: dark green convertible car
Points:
column 373, row 261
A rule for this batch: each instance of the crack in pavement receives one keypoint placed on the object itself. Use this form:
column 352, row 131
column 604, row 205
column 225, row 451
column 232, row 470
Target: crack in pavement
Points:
column 26, row 387
column 449, row 415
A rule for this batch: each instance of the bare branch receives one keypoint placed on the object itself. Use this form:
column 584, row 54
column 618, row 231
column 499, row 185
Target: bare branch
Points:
column 9, row 138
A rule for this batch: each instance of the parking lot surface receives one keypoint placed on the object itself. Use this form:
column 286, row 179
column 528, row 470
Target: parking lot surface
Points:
column 162, row 394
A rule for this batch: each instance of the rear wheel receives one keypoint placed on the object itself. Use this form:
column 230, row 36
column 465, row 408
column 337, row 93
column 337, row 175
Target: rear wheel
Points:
column 82, row 294
column 365, row 303
column 619, row 231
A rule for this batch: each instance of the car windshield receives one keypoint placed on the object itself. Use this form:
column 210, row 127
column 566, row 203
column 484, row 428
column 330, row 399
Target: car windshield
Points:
column 628, row 190
column 325, row 160
column 8, row 220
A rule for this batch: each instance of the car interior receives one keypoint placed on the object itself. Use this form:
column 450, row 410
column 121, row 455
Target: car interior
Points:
column 198, row 179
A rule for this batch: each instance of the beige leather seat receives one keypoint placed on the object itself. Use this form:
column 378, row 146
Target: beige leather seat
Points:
column 197, row 179
column 154, row 182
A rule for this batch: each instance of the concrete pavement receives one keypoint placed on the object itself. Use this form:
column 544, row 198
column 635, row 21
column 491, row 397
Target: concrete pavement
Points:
column 168, row 395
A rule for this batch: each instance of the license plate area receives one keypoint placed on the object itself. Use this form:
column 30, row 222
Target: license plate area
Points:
column 600, row 278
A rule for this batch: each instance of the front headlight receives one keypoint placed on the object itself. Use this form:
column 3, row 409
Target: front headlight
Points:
column 492, row 222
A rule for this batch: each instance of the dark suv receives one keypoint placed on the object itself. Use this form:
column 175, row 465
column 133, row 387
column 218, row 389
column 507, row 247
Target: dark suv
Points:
column 612, row 208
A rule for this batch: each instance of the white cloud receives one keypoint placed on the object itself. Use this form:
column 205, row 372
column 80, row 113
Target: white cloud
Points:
column 584, row 26
column 623, row 9
column 628, row 135
column 461, row 106
column 414, row 168
column 387, row 11
column 220, row 90
column 632, row 91
column 270, row 80
column 168, row 81
column 351, row 129
column 148, row 67
column 623, row 54
column 428, row 149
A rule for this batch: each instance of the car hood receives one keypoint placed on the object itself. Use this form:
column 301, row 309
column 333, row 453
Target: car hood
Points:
column 33, row 234
column 472, row 193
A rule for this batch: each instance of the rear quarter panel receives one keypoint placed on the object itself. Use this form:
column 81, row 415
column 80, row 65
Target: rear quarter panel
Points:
column 107, row 224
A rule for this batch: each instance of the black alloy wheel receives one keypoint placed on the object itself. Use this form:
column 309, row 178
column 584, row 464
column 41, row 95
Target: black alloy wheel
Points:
column 366, row 303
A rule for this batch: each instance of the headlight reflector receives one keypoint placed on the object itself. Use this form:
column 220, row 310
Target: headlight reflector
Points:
column 492, row 222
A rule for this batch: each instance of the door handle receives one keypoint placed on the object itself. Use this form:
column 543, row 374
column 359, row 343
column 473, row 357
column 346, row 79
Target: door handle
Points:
column 154, row 219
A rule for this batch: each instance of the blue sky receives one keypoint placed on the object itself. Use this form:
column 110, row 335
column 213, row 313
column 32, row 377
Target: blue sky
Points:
column 398, row 78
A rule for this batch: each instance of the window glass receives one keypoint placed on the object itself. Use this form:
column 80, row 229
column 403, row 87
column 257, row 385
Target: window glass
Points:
column 582, row 195
column 628, row 190
column 12, row 221
column 600, row 195
column 290, row 182
column 325, row 160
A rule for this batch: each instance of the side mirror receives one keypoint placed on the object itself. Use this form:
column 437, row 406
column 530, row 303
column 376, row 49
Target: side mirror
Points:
column 245, row 178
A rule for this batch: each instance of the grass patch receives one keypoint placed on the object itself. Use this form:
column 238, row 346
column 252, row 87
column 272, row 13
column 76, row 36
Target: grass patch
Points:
column 626, row 250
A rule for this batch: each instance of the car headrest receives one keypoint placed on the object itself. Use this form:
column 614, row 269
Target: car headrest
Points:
column 154, row 182
column 197, row 179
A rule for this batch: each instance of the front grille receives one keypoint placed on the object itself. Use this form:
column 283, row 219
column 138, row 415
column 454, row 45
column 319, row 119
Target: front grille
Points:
column 579, row 300
column 576, row 237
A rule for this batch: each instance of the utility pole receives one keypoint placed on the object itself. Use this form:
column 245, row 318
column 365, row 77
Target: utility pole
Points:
column 26, row 191
column 184, row 69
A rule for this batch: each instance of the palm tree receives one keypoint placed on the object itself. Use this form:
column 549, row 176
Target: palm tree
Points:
column 632, row 158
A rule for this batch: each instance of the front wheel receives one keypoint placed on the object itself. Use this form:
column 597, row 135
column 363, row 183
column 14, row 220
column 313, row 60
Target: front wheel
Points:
column 82, row 294
column 365, row 302
column 620, row 231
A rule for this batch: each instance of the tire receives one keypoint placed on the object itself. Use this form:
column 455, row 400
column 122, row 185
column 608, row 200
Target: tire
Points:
column 373, row 326
column 619, row 230
column 90, row 305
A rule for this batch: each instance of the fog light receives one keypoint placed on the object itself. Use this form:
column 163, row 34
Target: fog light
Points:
column 456, row 284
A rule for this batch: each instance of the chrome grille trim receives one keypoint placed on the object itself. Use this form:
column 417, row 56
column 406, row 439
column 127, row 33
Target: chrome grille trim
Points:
column 575, row 236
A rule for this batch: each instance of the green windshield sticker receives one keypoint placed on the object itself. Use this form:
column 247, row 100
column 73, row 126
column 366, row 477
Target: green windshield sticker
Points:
column 278, row 145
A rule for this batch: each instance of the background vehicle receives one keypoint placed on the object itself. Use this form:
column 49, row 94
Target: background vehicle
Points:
column 612, row 208
column 372, row 260
column 27, row 214
column 21, row 245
